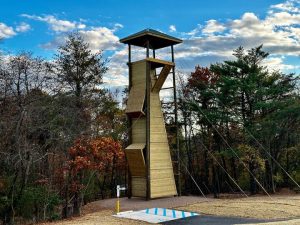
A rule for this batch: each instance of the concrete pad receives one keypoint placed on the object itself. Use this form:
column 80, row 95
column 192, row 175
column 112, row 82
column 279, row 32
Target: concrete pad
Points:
column 156, row 215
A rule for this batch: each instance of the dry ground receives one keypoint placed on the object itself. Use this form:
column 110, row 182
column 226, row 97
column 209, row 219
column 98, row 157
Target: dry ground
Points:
column 260, row 207
column 285, row 207
column 104, row 217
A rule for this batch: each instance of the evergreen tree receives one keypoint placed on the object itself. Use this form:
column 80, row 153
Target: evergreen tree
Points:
column 79, row 69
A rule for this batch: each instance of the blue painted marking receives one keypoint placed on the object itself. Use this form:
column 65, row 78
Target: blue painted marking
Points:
column 147, row 211
column 183, row 214
column 174, row 213
column 192, row 213
column 155, row 212
column 165, row 212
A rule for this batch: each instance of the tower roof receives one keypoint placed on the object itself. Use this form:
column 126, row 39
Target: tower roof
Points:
column 156, row 39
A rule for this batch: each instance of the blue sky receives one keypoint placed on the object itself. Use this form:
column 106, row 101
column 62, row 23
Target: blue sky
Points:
column 210, row 29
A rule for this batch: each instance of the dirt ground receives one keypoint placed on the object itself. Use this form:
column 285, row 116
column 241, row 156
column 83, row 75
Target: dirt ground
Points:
column 259, row 207
column 285, row 207
column 103, row 217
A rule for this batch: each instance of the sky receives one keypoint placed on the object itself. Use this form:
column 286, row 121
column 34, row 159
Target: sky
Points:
column 210, row 30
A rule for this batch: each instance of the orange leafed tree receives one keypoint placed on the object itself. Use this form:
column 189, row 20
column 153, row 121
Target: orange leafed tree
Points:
column 98, row 155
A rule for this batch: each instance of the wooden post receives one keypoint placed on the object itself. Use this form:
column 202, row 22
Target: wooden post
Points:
column 148, row 88
column 176, row 124
column 147, row 48
column 129, row 189
column 129, row 67
column 148, row 193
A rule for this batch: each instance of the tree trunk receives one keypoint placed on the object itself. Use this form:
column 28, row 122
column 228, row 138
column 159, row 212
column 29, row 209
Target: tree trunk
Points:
column 65, row 210
column 7, row 216
column 76, row 204
column 233, row 167
column 214, row 182
column 252, row 179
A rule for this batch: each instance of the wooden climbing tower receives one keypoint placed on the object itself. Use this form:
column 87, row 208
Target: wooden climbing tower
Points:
column 148, row 154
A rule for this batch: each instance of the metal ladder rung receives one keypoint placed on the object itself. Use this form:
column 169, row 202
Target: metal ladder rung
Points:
column 169, row 113
column 170, row 125
column 166, row 88
column 165, row 103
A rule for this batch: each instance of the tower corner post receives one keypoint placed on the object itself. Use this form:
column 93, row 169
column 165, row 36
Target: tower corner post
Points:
column 176, row 123
column 129, row 180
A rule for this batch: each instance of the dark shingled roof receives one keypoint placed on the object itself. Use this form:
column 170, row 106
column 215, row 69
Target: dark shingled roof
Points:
column 156, row 39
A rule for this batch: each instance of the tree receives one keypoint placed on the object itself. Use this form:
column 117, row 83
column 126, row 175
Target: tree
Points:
column 41, row 117
column 251, row 92
column 201, row 87
column 80, row 72
column 243, row 114
column 99, row 155
column 78, row 69
column 24, row 78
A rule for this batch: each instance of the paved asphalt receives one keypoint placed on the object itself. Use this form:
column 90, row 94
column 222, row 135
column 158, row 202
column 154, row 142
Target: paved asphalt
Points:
column 213, row 220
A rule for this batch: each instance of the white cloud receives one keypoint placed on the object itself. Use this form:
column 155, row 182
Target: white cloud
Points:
column 118, row 70
column 172, row 28
column 117, row 26
column 279, row 31
column 57, row 41
column 295, row 31
column 98, row 38
column 288, row 6
column 23, row 27
column 6, row 31
column 283, row 19
column 213, row 26
column 277, row 64
column 81, row 26
column 55, row 24
column 101, row 38
column 193, row 32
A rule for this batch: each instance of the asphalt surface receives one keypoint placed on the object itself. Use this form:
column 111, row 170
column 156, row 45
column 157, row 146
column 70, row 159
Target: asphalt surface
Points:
column 213, row 220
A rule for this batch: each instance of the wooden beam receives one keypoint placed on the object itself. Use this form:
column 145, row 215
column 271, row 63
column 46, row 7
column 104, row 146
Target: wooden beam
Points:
column 148, row 91
column 162, row 78
column 129, row 186
column 159, row 62
column 135, row 100
column 136, row 160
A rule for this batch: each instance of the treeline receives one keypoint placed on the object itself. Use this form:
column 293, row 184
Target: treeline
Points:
column 240, row 125
column 61, row 134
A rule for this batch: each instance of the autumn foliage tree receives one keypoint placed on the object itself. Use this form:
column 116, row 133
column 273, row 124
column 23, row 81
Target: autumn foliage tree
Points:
column 91, row 157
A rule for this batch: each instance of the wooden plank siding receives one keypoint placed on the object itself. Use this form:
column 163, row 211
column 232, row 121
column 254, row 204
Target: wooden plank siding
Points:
column 139, row 130
column 162, row 182
column 136, row 96
column 134, row 152
column 161, row 169
column 136, row 161
column 139, row 186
